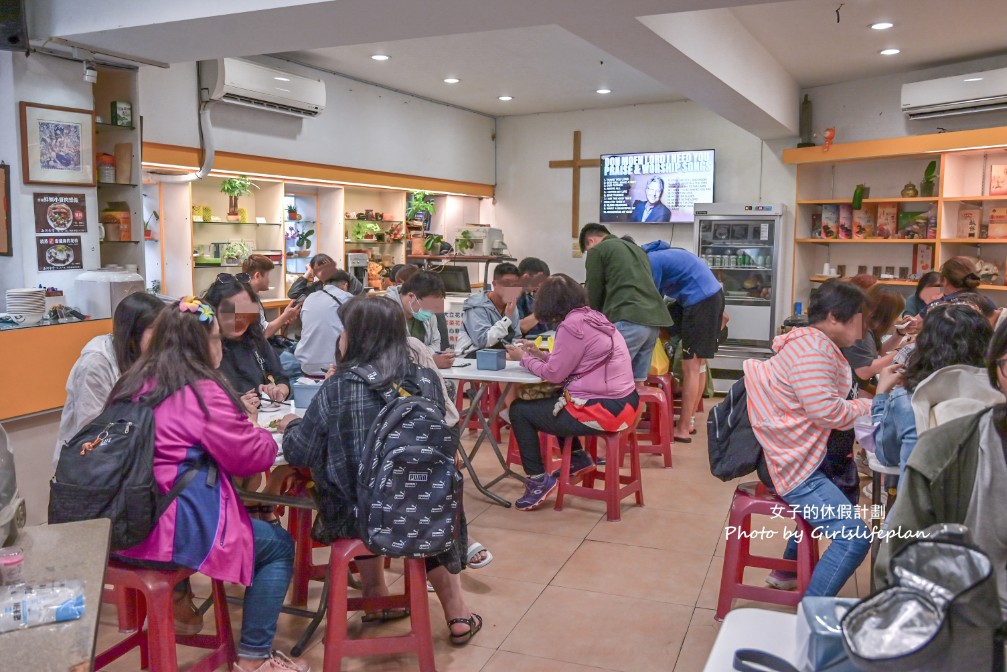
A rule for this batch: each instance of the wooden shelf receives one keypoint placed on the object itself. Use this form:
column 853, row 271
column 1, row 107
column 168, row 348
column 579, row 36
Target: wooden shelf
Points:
column 959, row 199
column 896, row 282
column 865, row 241
column 841, row 201
column 976, row 241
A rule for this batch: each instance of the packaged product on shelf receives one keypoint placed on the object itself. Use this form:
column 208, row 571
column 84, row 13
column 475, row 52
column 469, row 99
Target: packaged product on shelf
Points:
column 816, row 225
column 864, row 221
column 969, row 218
column 24, row 605
column 888, row 220
column 912, row 225
column 830, row 220
column 998, row 223
column 845, row 220
column 923, row 259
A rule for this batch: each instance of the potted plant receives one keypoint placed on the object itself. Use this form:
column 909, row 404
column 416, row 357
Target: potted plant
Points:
column 432, row 244
column 394, row 233
column 419, row 205
column 464, row 241
column 234, row 252
column 303, row 241
column 929, row 179
column 235, row 187
column 147, row 233
column 292, row 213
column 363, row 229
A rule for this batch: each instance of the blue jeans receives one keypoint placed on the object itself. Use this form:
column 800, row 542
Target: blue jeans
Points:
column 274, row 565
column 290, row 365
column 640, row 339
column 818, row 501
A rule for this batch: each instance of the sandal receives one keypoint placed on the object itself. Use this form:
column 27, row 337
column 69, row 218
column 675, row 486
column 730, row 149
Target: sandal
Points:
column 475, row 623
column 475, row 548
column 384, row 615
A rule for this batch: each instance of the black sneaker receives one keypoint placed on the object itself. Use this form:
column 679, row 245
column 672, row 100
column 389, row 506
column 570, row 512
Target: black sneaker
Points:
column 536, row 489
column 580, row 462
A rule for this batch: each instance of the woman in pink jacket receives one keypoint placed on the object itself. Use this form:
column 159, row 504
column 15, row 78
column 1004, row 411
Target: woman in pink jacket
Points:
column 592, row 362
column 199, row 423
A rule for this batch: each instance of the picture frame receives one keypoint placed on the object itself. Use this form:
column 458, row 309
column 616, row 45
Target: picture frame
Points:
column 57, row 145
column 6, row 242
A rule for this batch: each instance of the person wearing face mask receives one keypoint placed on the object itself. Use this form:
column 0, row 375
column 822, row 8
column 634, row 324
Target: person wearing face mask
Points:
column 422, row 300
column 321, row 325
column 320, row 269
column 249, row 363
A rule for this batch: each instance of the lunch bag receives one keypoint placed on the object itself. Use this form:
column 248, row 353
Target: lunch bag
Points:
column 107, row 471
column 941, row 611
column 408, row 488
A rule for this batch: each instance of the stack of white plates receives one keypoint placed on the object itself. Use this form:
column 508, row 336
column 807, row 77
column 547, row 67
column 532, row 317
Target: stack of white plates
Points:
column 28, row 302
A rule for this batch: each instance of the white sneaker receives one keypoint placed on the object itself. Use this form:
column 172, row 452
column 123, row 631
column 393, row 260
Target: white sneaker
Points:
column 278, row 662
column 782, row 580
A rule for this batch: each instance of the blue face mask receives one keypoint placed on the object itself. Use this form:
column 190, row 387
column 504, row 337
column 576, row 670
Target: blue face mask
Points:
column 422, row 314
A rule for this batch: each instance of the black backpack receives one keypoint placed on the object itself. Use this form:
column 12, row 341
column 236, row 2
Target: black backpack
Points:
column 107, row 471
column 408, row 488
column 734, row 450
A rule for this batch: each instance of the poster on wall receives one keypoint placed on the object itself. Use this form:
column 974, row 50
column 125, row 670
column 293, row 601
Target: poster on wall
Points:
column 655, row 186
column 60, row 213
column 59, row 253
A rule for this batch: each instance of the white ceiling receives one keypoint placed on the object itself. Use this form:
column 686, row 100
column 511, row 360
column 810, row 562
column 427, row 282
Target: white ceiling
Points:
column 743, row 59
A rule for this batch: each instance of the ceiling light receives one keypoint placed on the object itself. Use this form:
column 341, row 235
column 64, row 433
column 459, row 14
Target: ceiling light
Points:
column 890, row 52
column 451, row 80
column 380, row 57
column 604, row 91
column 282, row 79
column 973, row 79
column 505, row 98
column 882, row 25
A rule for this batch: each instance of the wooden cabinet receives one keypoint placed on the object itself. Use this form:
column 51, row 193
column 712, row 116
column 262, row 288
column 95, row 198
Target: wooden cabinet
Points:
column 967, row 181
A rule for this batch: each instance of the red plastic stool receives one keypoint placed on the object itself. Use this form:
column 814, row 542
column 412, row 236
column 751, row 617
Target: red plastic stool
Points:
column 148, row 595
column 666, row 384
column 659, row 437
column 617, row 486
column 486, row 405
column 551, row 457
column 754, row 498
column 338, row 645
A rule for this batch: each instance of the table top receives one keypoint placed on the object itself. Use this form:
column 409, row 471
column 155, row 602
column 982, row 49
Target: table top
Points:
column 771, row 631
column 514, row 373
column 54, row 552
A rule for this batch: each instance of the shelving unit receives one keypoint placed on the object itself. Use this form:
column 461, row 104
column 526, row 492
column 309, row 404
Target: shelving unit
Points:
column 965, row 161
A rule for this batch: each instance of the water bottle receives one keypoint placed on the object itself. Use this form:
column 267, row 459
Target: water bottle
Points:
column 24, row 605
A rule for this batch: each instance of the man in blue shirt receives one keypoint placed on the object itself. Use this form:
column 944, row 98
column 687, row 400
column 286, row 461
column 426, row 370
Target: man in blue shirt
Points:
column 698, row 313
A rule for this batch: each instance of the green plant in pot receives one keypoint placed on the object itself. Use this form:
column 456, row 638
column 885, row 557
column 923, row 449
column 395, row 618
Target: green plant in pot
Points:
column 234, row 252
column 418, row 204
column 464, row 242
column 235, row 187
column 361, row 229
column 432, row 244
column 929, row 179
column 303, row 241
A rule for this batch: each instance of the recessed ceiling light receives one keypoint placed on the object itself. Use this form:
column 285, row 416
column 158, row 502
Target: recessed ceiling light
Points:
column 451, row 80
column 282, row 79
column 882, row 25
column 604, row 91
column 380, row 57
column 284, row 90
column 890, row 52
column 973, row 79
column 505, row 98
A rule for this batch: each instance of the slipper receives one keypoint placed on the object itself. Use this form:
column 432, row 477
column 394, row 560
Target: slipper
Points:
column 682, row 439
column 383, row 615
column 475, row 548
column 475, row 623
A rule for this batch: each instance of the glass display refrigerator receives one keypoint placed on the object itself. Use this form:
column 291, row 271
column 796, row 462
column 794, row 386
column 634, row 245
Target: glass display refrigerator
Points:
column 741, row 244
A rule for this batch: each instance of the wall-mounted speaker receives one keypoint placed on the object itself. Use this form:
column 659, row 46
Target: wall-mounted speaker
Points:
column 13, row 26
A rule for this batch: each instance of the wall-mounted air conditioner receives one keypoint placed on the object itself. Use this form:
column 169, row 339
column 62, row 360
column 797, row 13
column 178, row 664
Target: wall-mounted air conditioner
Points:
column 960, row 94
column 232, row 80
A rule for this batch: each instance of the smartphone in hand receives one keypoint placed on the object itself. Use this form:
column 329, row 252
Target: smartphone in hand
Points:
column 902, row 356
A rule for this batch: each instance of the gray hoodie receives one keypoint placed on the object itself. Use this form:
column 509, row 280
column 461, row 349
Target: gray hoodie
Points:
column 484, row 326
column 91, row 379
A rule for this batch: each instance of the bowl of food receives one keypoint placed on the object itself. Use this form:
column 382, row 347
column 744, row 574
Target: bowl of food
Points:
column 59, row 216
column 59, row 255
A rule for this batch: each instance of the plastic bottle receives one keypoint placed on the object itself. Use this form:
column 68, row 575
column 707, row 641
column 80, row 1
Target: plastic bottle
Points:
column 24, row 605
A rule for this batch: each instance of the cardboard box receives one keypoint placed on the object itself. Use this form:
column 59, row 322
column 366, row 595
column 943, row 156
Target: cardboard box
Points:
column 998, row 223
column 912, row 225
column 969, row 219
column 816, row 225
column 923, row 259
column 887, row 222
column 122, row 113
column 845, row 220
column 864, row 225
column 830, row 220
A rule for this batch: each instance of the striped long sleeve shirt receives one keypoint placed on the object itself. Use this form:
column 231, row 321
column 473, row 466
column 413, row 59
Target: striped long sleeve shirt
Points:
column 795, row 399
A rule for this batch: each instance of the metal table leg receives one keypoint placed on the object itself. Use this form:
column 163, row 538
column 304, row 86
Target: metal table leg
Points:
column 467, row 458
column 487, row 433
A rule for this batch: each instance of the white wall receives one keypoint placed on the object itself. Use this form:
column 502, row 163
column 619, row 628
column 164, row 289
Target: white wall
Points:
column 50, row 81
column 533, row 201
column 363, row 126
column 871, row 109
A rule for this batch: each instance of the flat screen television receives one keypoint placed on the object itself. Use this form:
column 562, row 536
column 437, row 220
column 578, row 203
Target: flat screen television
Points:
column 655, row 187
column 456, row 278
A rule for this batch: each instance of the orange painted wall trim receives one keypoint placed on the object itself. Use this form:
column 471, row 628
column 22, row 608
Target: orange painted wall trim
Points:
column 174, row 155
column 907, row 146
column 40, row 359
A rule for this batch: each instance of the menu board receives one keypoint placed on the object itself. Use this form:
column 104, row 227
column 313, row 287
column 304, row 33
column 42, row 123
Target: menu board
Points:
column 59, row 253
column 60, row 213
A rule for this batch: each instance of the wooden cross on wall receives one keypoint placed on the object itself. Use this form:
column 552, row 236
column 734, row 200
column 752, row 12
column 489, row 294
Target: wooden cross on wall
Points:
column 577, row 163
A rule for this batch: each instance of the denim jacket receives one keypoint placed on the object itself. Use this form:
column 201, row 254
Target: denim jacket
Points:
column 894, row 427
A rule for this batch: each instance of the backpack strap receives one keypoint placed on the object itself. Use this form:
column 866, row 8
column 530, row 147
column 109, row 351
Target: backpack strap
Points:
column 753, row 660
column 367, row 373
column 332, row 296
column 182, row 481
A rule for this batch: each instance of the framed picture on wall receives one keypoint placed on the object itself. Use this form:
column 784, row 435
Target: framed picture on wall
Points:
column 5, row 230
column 57, row 145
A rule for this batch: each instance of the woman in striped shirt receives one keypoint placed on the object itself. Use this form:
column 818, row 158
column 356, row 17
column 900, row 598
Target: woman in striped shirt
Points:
column 795, row 400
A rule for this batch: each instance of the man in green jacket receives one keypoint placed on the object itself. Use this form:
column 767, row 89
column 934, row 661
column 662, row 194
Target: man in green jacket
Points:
column 620, row 285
